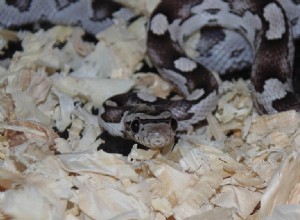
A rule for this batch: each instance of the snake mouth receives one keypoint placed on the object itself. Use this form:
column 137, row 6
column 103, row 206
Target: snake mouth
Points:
column 161, row 140
column 153, row 135
column 158, row 139
column 157, row 136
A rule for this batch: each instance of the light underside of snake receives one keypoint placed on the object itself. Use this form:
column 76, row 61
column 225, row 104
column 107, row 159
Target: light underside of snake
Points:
column 234, row 35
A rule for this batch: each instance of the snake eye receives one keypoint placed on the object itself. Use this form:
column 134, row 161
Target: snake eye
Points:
column 135, row 126
column 174, row 124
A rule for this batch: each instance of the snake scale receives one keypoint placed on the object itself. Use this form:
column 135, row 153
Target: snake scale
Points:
column 234, row 35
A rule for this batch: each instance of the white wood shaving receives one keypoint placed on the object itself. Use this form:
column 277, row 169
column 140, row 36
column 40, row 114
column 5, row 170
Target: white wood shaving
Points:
column 240, row 166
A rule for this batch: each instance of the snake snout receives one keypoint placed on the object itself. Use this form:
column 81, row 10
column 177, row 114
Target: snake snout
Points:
column 160, row 136
column 158, row 140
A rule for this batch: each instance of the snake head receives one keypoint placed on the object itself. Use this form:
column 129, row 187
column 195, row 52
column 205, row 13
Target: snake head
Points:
column 151, row 127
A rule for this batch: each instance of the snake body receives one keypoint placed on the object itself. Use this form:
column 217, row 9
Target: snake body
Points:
column 234, row 35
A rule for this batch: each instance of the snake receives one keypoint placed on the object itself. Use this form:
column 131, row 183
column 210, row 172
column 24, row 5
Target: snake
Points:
column 232, row 36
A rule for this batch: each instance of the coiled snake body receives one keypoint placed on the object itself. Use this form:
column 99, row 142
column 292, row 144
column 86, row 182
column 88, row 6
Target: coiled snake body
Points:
column 234, row 35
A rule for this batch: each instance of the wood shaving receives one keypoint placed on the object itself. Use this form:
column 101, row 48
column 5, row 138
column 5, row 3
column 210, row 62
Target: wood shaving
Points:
column 239, row 166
